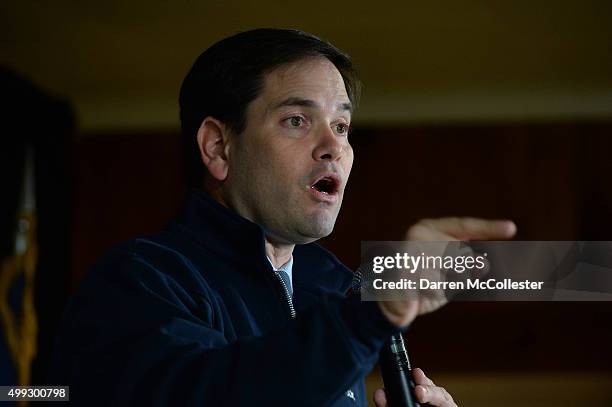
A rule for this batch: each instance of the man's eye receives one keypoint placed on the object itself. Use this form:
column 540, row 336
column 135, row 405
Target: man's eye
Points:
column 296, row 121
column 342, row 128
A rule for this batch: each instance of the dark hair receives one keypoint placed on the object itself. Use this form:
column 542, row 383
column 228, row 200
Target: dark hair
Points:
column 230, row 74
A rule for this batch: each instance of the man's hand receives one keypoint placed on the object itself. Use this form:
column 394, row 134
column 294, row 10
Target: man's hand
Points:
column 425, row 391
column 402, row 313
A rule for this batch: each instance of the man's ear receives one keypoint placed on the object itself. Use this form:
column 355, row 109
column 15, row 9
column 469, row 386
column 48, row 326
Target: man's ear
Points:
column 213, row 141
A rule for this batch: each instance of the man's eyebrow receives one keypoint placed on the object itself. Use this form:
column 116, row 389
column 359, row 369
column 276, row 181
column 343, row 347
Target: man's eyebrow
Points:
column 348, row 107
column 297, row 101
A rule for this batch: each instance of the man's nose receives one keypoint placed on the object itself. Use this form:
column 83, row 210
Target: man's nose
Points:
column 329, row 146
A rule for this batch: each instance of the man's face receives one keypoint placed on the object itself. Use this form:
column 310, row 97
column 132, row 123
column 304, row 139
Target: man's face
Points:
column 288, row 169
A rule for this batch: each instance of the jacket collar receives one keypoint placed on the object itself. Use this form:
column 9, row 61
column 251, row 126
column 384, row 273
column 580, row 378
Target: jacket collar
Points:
column 241, row 241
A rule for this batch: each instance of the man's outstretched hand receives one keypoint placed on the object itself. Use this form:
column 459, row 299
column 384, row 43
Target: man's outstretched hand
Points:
column 402, row 313
column 426, row 392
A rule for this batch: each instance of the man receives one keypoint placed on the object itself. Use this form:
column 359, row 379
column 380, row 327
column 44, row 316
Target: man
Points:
column 234, row 304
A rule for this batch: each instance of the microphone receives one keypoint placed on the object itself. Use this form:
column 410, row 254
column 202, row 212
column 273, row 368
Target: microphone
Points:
column 397, row 373
column 394, row 364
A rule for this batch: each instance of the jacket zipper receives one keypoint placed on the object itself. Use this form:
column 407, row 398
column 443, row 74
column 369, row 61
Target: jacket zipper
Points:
column 287, row 295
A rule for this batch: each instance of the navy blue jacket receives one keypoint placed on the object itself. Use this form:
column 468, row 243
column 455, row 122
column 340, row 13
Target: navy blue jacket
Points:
column 196, row 316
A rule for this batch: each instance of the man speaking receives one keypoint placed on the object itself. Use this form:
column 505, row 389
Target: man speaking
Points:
column 233, row 304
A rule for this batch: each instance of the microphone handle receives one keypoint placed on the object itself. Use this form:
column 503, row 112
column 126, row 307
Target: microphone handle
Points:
column 397, row 373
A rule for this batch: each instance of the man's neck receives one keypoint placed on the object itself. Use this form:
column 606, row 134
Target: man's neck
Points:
column 278, row 253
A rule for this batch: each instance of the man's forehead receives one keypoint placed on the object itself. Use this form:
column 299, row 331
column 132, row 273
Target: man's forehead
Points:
column 309, row 103
column 312, row 83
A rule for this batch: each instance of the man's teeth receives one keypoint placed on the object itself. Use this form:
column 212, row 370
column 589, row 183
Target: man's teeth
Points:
column 325, row 186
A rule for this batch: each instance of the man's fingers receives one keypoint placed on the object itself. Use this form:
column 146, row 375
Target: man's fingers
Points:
column 461, row 228
column 476, row 229
column 427, row 392
column 421, row 378
column 380, row 398
column 434, row 395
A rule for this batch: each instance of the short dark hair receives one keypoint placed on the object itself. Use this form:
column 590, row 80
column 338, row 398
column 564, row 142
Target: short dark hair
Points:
column 229, row 75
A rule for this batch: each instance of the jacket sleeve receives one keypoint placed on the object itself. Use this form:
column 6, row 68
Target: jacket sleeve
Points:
column 131, row 337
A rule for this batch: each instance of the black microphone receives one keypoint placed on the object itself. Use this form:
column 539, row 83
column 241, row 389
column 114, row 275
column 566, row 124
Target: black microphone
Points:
column 394, row 364
column 397, row 373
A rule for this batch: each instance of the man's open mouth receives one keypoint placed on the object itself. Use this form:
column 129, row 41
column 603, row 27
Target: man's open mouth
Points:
column 327, row 185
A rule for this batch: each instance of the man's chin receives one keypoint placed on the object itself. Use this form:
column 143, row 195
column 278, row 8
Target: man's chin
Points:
column 315, row 232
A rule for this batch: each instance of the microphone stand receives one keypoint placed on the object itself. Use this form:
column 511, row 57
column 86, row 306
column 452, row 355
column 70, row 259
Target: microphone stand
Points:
column 397, row 373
